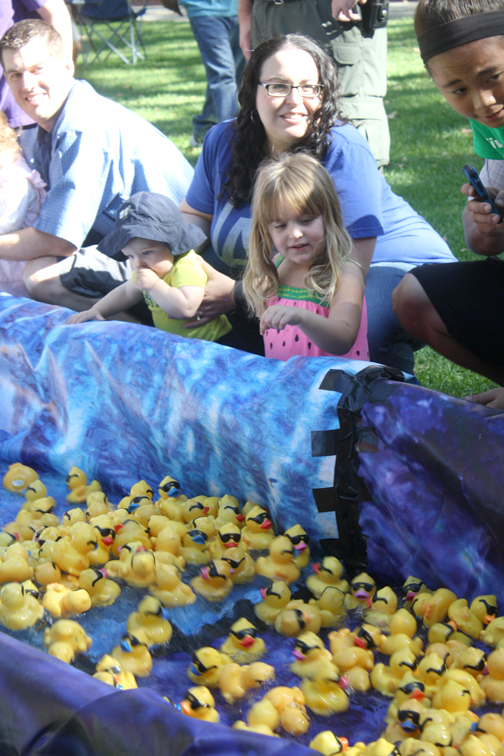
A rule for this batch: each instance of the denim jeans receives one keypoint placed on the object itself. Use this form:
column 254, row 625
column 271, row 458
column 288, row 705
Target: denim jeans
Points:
column 389, row 344
column 218, row 41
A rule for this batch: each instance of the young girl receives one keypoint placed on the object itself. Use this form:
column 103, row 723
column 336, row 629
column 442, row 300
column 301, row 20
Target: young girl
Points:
column 21, row 195
column 300, row 279
column 458, row 309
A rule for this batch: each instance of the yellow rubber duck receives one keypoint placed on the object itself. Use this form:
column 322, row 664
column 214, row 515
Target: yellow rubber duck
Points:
column 193, row 508
column 152, row 618
column 71, row 552
column 485, row 608
column 169, row 488
column 110, row 671
column 328, row 743
column 275, row 598
column 492, row 683
column 412, row 586
column 102, row 591
column 300, row 540
column 242, row 644
column 65, row 639
column 355, row 663
column 298, row 618
column 127, row 532
column 330, row 605
column 464, row 619
column 214, row 581
column 18, row 477
column 97, row 504
column 79, row 489
column 228, row 536
column 493, row 634
column 280, row 564
column 195, row 547
column 327, row 573
column 242, row 565
column 46, row 572
column 258, row 531
column 200, row 704
column 172, row 507
column 105, row 537
column 207, row 666
column 384, row 604
column 133, row 653
column 169, row 588
column 141, row 488
column 19, row 609
column 235, row 680
column 229, row 511
column 14, row 566
column 434, row 608
column 70, row 517
column 310, row 653
column 362, row 590
column 261, row 729
column 136, row 565
column 57, row 602
column 36, row 490
column 141, row 509
column 289, row 704
column 323, row 693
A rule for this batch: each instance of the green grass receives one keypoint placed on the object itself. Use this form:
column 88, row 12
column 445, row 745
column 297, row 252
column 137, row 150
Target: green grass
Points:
column 429, row 141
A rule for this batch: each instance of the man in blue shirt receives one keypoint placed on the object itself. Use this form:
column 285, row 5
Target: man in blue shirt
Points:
column 93, row 154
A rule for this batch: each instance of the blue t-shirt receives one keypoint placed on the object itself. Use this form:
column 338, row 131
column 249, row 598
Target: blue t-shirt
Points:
column 368, row 205
column 221, row 8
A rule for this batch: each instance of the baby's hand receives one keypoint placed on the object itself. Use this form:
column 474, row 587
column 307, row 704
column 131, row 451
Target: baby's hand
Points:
column 278, row 316
column 82, row 317
column 145, row 278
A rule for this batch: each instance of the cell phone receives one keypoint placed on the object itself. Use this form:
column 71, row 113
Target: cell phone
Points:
column 481, row 193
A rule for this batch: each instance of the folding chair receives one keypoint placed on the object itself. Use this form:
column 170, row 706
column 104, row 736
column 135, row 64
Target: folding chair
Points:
column 107, row 24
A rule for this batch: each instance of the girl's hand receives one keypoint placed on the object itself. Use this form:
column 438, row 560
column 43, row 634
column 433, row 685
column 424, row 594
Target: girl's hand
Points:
column 486, row 221
column 145, row 278
column 278, row 316
column 493, row 398
column 218, row 298
column 82, row 317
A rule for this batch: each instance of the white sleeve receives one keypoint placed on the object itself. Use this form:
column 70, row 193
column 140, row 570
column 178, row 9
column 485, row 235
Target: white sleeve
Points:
column 15, row 196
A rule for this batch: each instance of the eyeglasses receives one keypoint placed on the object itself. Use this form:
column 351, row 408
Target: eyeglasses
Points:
column 283, row 90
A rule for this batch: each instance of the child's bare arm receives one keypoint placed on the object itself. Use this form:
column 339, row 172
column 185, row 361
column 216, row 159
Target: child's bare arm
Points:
column 335, row 334
column 177, row 303
column 124, row 296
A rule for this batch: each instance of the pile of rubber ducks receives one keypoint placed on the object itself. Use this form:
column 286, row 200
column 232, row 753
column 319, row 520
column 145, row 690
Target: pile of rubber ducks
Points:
column 53, row 570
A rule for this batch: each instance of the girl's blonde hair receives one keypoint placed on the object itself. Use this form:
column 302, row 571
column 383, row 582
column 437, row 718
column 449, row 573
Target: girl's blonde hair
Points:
column 301, row 183
column 8, row 138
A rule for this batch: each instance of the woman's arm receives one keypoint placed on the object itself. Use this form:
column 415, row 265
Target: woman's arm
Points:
column 363, row 250
column 335, row 334
column 178, row 303
column 190, row 215
column 121, row 298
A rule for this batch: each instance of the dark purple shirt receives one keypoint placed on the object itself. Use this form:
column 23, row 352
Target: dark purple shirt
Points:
column 12, row 11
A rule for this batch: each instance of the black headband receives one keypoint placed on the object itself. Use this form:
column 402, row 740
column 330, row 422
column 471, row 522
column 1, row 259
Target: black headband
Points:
column 460, row 32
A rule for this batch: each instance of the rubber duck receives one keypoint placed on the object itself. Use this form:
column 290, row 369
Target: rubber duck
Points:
column 260, row 729
column 193, row 508
column 392, row 643
column 76, row 481
column 195, row 547
column 19, row 609
column 472, row 660
column 298, row 618
column 403, row 660
column 127, row 532
column 443, row 632
column 258, row 531
column 229, row 512
column 485, row 608
column 133, row 653
column 362, row 590
column 402, row 621
column 384, row 604
column 105, row 536
column 275, row 598
column 18, row 477
column 328, row 744
column 152, row 618
column 464, row 619
column 110, row 671
column 430, row 670
column 141, row 488
column 330, row 605
column 289, row 704
column 310, row 653
column 97, row 504
column 57, row 602
column 323, row 692
column 235, row 681
column 327, row 573
column 172, row 507
column 263, row 714
column 14, row 566
column 300, row 540
column 65, row 639
column 412, row 586
column 432, row 608
column 200, row 704
column 355, row 663
column 453, row 695
column 212, row 504
column 492, row 684
column 36, row 490
column 491, row 724
column 383, row 680
column 493, row 634
column 47, row 572
column 41, row 509
column 228, row 536
column 242, row 644
column 207, row 666
column 141, row 509
column 169, row 488
column 102, row 591
column 136, row 565
column 242, row 565
column 280, row 564
column 71, row 552
column 411, row 746
column 167, row 541
column 169, row 588
column 439, row 735
column 70, row 517
column 205, row 524
column 214, row 581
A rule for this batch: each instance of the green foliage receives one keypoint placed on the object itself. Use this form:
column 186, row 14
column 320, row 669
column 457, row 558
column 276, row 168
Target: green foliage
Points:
column 429, row 141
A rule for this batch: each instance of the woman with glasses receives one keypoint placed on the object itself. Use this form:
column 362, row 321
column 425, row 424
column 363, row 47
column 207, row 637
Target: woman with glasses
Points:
column 289, row 101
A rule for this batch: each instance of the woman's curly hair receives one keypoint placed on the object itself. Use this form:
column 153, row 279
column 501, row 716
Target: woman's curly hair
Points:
column 248, row 139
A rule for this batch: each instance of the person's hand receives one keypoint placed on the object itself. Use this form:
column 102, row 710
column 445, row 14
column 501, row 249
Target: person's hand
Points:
column 486, row 221
column 493, row 398
column 83, row 317
column 145, row 278
column 218, row 298
column 278, row 316
column 341, row 10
